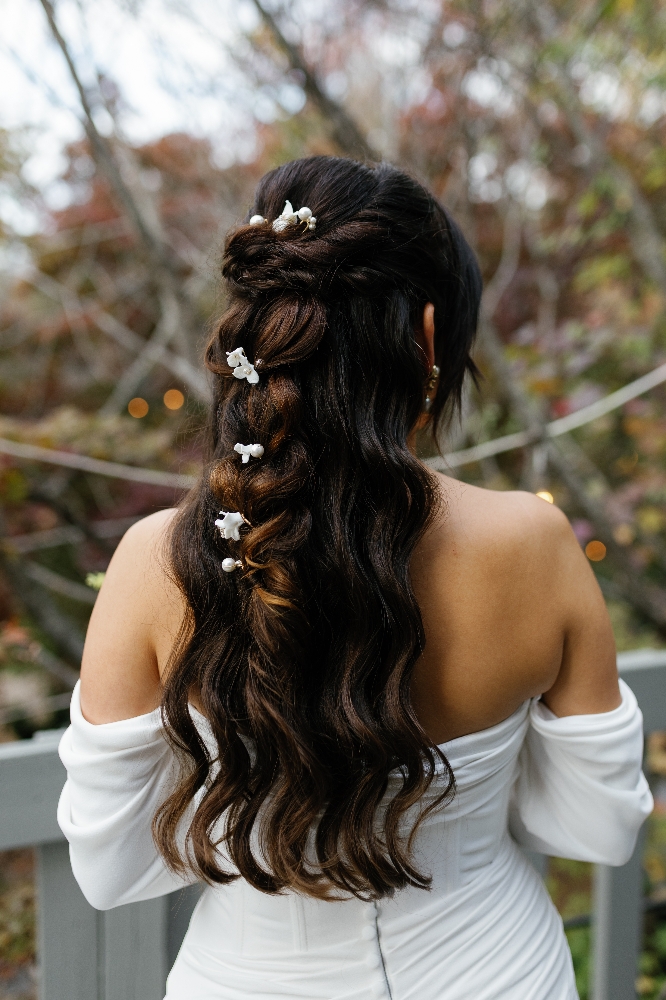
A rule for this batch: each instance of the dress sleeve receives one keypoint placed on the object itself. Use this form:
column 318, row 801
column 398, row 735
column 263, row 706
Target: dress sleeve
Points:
column 580, row 791
column 117, row 775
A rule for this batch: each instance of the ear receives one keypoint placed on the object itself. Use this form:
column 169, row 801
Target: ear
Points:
column 426, row 335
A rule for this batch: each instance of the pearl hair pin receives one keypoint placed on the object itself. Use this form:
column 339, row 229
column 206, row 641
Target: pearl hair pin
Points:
column 229, row 564
column 242, row 367
column 249, row 450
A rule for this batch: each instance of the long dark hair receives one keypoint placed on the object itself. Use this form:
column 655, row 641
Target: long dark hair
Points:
column 301, row 660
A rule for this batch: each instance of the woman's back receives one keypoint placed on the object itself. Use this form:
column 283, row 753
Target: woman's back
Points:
column 505, row 593
column 322, row 699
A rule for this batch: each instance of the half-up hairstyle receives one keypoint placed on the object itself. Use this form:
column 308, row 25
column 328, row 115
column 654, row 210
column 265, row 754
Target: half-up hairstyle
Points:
column 301, row 659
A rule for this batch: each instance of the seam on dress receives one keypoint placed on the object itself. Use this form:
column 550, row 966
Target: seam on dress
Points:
column 381, row 954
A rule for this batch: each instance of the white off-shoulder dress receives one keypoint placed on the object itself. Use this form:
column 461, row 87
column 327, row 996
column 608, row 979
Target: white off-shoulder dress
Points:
column 486, row 930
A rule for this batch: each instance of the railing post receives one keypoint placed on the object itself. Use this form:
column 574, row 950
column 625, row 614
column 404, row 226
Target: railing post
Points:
column 67, row 930
column 617, row 927
column 135, row 950
column 121, row 954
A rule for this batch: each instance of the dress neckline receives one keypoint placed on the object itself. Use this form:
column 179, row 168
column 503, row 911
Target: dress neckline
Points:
column 507, row 723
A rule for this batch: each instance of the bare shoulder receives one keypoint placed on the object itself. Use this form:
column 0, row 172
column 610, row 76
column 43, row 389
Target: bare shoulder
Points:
column 505, row 525
column 134, row 624
column 139, row 570
column 506, row 595
column 139, row 583
column 147, row 536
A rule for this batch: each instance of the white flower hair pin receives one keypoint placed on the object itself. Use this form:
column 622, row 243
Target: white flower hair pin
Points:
column 249, row 451
column 241, row 366
column 228, row 524
column 288, row 218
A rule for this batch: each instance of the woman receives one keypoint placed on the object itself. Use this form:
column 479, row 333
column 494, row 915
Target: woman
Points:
column 331, row 680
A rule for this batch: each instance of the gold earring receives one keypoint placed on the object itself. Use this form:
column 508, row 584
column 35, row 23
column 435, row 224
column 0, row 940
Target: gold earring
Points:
column 430, row 385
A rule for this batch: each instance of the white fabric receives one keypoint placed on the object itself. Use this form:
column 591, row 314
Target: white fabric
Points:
column 487, row 929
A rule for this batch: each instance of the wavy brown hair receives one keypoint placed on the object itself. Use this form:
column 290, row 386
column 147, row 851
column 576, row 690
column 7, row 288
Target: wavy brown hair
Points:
column 301, row 660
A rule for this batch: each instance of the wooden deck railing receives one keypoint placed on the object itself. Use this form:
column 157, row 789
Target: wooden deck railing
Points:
column 125, row 954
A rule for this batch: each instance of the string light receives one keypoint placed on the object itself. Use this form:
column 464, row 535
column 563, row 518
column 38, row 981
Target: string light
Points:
column 545, row 495
column 173, row 399
column 595, row 550
column 137, row 407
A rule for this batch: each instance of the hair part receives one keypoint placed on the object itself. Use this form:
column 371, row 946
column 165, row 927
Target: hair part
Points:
column 317, row 774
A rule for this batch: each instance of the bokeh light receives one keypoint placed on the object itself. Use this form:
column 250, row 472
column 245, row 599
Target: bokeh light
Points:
column 137, row 407
column 624, row 534
column 595, row 550
column 173, row 399
column 545, row 495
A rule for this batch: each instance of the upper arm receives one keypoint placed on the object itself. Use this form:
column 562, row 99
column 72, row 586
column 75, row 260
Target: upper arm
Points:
column 587, row 680
column 135, row 621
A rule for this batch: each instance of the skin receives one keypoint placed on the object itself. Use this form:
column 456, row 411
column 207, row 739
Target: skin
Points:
column 511, row 610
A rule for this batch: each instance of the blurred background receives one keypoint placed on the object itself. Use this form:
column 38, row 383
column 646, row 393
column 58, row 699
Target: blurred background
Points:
column 132, row 133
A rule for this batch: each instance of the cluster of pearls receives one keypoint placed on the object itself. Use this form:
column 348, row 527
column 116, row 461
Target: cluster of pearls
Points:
column 288, row 218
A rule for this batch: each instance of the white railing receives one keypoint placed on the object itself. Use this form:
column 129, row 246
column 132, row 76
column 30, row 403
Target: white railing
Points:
column 125, row 954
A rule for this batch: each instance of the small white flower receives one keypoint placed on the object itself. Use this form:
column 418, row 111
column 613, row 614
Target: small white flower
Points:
column 247, row 450
column 256, row 220
column 228, row 523
column 288, row 212
column 237, row 357
column 241, row 366
column 247, row 371
column 229, row 564
column 289, row 217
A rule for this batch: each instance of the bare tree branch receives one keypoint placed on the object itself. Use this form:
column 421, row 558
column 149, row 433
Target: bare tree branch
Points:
column 98, row 466
column 103, row 154
column 646, row 240
column 124, row 335
column 343, row 128
column 508, row 264
column 148, row 228
column 45, row 577
column 149, row 355
column 43, row 609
